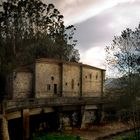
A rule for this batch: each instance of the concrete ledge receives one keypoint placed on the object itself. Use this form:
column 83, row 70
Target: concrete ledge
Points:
column 13, row 115
column 15, row 105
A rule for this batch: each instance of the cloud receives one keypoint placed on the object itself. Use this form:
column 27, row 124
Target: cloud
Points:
column 100, row 29
column 94, row 56
column 97, row 22
column 76, row 11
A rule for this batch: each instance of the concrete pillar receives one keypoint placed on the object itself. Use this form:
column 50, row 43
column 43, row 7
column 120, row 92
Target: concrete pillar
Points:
column 4, row 128
column 64, row 122
column 83, row 123
column 81, row 80
column 102, row 82
column 88, row 116
column 26, row 127
column 99, row 114
column 62, row 79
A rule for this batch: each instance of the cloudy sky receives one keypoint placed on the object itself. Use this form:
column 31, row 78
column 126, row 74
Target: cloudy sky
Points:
column 97, row 22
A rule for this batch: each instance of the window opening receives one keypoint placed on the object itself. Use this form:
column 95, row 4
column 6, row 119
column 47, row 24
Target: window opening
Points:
column 55, row 88
column 52, row 78
column 72, row 84
column 90, row 76
column 96, row 76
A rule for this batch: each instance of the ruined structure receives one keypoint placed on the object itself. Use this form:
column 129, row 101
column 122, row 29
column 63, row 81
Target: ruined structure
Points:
column 54, row 86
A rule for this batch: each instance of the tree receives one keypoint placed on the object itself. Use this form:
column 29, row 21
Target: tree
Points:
column 124, row 56
column 30, row 29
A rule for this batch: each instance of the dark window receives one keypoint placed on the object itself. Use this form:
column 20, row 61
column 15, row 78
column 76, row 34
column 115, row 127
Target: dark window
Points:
column 78, row 84
column 96, row 76
column 72, row 84
column 66, row 84
column 86, row 77
column 90, row 76
column 55, row 88
column 52, row 78
column 48, row 87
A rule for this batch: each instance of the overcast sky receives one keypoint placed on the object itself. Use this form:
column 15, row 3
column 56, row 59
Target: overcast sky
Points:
column 97, row 22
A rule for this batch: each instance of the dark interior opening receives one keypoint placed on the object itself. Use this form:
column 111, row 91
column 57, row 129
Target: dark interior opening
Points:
column 55, row 88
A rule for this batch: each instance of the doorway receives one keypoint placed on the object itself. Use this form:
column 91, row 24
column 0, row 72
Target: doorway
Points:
column 55, row 88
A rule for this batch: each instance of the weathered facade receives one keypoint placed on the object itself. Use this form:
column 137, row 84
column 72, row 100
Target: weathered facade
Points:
column 52, row 78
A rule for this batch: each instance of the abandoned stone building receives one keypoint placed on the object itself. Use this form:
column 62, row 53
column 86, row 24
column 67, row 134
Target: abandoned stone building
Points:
column 54, row 86
column 52, row 78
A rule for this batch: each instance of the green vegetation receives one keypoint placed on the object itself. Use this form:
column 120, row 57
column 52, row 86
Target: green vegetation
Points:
column 57, row 137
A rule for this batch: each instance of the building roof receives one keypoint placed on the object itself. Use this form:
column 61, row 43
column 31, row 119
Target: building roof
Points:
column 29, row 67
column 24, row 68
column 45, row 60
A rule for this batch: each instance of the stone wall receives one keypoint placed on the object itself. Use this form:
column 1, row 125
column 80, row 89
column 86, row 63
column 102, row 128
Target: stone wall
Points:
column 92, row 82
column 67, row 78
column 22, row 84
column 52, row 78
column 71, row 80
column 47, row 79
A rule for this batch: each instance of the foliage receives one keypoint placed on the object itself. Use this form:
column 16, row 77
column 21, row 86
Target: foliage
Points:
column 124, row 56
column 124, row 52
column 57, row 137
column 30, row 29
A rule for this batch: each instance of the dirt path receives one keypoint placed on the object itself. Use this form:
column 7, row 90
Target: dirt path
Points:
column 96, row 132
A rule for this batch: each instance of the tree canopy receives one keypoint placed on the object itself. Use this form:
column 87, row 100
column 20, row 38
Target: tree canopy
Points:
column 124, row 52
column 124, row 56
column 30, row 29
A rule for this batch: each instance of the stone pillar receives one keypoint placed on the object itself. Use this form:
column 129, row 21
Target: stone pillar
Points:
column 85, row 120
column 26, row 127
column 4, row 128
column 88, row 118
column 64, row 122
column 60, row 115
column 62, row 78
column 99, row 113
column 102, row 82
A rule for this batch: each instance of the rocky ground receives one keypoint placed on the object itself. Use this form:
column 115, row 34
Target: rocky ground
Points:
column 104, row 130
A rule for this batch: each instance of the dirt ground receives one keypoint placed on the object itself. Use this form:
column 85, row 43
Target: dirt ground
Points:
column 96, row 132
